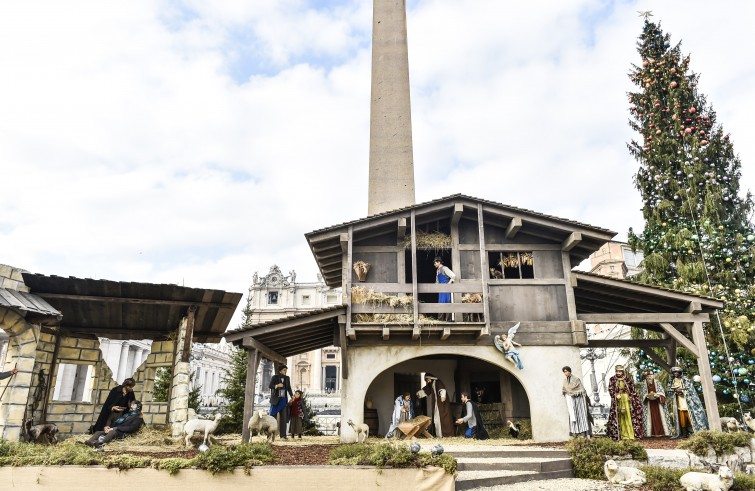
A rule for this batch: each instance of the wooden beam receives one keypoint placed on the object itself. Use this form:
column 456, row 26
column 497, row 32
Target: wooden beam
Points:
column 401, row 228
column 415, row 299
column 458, row 211
column 283, row 324
column 671, row 352
column 551, row 224
column 680, row 338
column 703, row 365
column 344, row 351
column 660, row 361
column 253, row 361
column 446, row 333
column 627, row 343
column 416, row 332
column 386, row 333
column 348, row 279
column 578, row 332
column 513, row 228
column 267, row 352
column 344, row 240
column 694, row 308
column 571, row 241
column 630, row 319
column 484, row 271
column 189, row 335
column 143, row 301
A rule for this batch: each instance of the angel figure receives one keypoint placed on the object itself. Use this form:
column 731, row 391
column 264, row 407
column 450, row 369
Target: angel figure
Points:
column 506, row 345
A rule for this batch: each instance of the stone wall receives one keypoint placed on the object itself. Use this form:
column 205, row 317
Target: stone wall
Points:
column 22, row 345
column 10, row 277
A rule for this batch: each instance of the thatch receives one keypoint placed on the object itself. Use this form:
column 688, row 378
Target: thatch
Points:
column 377, row 299
column 429, row 240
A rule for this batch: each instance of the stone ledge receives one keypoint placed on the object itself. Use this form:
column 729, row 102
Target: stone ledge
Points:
column 70, row 478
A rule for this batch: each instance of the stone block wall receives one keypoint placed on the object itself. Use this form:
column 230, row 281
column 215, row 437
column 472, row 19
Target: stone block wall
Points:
column 161, row 355
column 22, row 344
column 10, row 277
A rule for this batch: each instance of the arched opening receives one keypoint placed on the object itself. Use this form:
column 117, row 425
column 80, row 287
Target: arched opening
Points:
column 499, row 393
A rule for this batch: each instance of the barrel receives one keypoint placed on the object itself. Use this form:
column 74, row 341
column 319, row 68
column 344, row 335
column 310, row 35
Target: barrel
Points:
column 371, row 420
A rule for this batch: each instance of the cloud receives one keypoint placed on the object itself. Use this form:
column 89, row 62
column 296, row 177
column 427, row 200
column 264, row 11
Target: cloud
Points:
column 194, row 143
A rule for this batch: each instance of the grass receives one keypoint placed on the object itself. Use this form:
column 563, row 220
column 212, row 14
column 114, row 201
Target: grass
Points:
column 588, row 456
column 721, row 443
column 381, row 455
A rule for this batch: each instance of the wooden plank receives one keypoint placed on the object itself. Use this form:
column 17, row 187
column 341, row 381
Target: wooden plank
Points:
column 484, row 269
column 512, row 247
column 456, row 216
column 703, row 365
column 348, row 280
column 344, row 351
column 264, row 350
column 630, row 319
column 377, row 249
column 446, row 333
column 415, row 299
column 627, row 343
column 578, row 332
column 671, row 351
column 386, row 333
column 527, row 282
column 513, row 228
column 680, row 338
column 253, row 361
column 284, row 324
column 143, row 301
column 694, row 308
column 571, row 303
column 456, row 308
column 571, row 241
column 401, row 228
column 344, row 239
column 554, row 224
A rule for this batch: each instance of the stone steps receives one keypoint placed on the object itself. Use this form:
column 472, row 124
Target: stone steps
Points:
column 491, row 466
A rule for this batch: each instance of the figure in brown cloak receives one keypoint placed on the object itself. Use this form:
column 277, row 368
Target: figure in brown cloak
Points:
column 655, row 415
column 625, row 417
column 439, row 404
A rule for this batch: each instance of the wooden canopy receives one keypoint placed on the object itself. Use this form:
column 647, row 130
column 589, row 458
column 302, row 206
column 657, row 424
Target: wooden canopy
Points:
column 127, row 310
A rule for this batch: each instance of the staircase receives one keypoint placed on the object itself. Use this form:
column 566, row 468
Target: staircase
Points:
column 482, row 466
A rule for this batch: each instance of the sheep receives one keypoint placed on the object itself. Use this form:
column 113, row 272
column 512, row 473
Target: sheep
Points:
column 263, row 424
column 361, row 429
column 729, row 424
column 700, row 481
column 472, row 298
column 749, row 421
column 208, row 426
column 628, row 476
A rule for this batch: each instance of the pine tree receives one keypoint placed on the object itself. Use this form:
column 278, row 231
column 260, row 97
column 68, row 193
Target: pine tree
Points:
column 233, row 391
column 698, row 237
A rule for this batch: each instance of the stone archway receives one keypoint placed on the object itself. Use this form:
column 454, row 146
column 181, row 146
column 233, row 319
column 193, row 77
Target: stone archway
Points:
column 499, row 388
column 541, row 379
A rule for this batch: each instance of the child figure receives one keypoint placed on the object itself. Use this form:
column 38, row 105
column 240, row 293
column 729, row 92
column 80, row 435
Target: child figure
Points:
column 297, row 415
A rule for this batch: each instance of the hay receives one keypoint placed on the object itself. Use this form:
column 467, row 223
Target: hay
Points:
column 429, row 240
column 376, row 299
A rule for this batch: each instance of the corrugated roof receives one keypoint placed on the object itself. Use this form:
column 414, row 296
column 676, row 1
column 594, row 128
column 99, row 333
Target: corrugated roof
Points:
column 462, row 196
column 27, row 303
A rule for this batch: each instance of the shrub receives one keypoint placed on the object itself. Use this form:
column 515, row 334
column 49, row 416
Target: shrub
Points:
column 722, row 443
column 127, row 461
column 589, row 456
column 173, row 464
column 663, row 479
column 743, row 482
column 224, row 459
column 387, row 455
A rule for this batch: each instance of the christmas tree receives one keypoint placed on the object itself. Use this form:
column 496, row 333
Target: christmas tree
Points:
column 698, row 237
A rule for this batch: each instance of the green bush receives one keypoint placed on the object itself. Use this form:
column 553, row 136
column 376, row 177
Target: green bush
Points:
column 173, row 464
column 722, row 443
column 743, row 482
column 663, row 479
column 588, row 456
column 224, row 459
column 387, row 455
column 127, row 461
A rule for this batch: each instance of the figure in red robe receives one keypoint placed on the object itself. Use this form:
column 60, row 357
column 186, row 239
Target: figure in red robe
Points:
column 625, row 417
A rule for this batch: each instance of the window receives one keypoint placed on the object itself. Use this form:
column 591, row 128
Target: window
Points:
column 511, row 265
column 331, row 298
column 74, row 383
column 272, row 298
column 330, row 356
column 330, row 378
column 306, row 300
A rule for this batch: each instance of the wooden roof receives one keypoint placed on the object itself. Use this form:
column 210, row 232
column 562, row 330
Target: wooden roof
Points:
column 596, row 294
column 294, row 334
column 128, row 310
column 326, row 243
column 32, row 307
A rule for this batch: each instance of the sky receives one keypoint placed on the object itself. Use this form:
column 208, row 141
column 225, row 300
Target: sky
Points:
column 195, row 142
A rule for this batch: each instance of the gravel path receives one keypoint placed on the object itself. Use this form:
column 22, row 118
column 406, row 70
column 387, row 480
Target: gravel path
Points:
column 555, row 485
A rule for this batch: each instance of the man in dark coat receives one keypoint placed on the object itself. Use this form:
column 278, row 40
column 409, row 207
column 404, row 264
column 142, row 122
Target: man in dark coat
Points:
column 280, row 389
column 128, row 424
column 118, row 401
column 439, row 404
column 471, row 416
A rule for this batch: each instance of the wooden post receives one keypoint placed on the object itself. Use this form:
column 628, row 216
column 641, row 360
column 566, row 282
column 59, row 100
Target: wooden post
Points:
column 344, row 342
column 703, row 366
column 347, row 286
column 571, row 303
column 671, row 351
column 484, row 272
column 416, row 331
column 189, row 333
column 455, row 256
column 253, row 361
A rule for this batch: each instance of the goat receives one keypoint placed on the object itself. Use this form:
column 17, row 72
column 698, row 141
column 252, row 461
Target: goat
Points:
column 41, row 433
column 208, row 426
column 700, row 481
column 263, row 424
column 361, row 429
column 628, row 476
column 472, row 298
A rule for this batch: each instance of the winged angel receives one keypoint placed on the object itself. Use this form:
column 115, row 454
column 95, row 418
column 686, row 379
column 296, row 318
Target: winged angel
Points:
column 506, row 345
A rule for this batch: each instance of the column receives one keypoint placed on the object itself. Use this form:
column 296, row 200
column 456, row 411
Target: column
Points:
column 317, row 372
column 122, row 362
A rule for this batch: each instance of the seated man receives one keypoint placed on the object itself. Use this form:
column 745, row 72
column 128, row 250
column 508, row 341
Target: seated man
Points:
column 128, row 424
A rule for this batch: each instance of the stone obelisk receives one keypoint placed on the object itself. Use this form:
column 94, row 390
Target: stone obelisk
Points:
column 391, row 160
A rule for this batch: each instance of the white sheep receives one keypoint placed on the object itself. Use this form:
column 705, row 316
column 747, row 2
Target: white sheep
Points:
column 207, row 426
column 263, row 424
column 628, row 476
column 361, row 429
column 700, row 481
column 729, row 424
column 749, row 421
